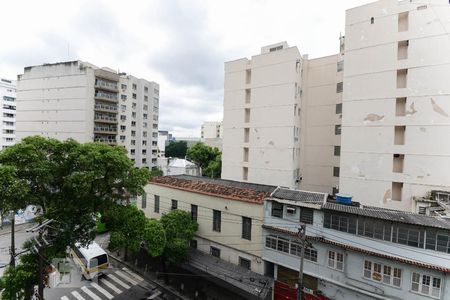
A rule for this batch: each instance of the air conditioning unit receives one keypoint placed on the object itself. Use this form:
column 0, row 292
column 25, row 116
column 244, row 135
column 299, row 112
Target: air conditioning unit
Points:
column 291, row 210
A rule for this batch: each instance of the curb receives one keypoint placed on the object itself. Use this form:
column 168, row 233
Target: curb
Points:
column 162, row 286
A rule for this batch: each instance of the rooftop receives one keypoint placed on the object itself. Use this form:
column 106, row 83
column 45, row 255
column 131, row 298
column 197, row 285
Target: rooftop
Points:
column 300, row 196
column 228, row 189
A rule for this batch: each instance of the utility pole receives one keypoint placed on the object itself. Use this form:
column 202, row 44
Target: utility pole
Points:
column 12, row 262
column 302, row 236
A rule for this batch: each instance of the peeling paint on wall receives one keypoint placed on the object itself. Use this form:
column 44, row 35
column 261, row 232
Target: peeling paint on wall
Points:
column 438, row 109
column 373, row 117
column 387, row 195
column 412, row 110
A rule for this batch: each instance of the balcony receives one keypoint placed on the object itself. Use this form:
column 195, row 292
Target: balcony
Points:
column 106, row 85
column 105, row 130
column 107, row 140
column 105, row 119
column 106, row 97
column 105, row 107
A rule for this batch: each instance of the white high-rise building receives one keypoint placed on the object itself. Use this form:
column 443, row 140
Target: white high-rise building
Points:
column 8, row 113
column 262, row 116
column 78, row 100
column 212, row 133
column 396, row 113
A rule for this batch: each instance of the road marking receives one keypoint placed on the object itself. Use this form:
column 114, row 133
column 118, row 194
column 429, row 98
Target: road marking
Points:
column 111, row 286
column 64, row 298
column 102, row 290
column 133, row 274
column 90, row 293
column 126, row 277
column 77, row 295
column 119, row 281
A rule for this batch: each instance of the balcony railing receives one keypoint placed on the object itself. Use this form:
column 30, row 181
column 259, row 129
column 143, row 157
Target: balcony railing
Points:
column 110, row 130
column 111, row 141
column 105, row 107
column 105, row 118
column 106, row 96
column 106, row 85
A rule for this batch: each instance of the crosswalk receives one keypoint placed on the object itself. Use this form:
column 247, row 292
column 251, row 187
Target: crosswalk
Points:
column 108, row 286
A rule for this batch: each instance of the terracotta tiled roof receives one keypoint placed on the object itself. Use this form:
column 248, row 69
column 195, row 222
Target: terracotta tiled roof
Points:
column 212, row 189
column 356, row 249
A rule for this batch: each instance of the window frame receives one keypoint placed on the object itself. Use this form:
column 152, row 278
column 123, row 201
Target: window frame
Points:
column 246, row 228
column 246, row 261
column 214, row 251
column 156, row 204
column 278, row 209
column 380, row 268
column 194, row 212
column 217, row 220
column 338, row 257
column 174, row 204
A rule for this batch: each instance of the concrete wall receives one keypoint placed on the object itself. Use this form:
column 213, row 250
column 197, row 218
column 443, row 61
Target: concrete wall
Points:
column 319, row 119
column 262, row 95
column 229, row 239
column 370, row 91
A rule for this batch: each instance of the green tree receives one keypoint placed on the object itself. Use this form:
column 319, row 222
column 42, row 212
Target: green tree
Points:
column 13, row 190
column 176, row 149
column 127, row 224
column 72, row 182
column 154, row 237
column 180, row 229
column 207, row 158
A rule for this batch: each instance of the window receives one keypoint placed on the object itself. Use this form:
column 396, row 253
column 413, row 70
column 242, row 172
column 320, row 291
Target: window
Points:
column 123, row 118
column 174, row 204
column 337, row 129
column 400, row 107
column 283, row 245
column 306, row 215
column 123, row 127
column 271, row 242
column 337, row 150
column 123, row 97
column 156, row 209
column 244, row 173
column 145, row 89
column 134, row 96
column 133, row 123
column 144, row 201
column 336, row 171
column 132, row 151
column 402, row 50
column 245, row 154
column 247, row 228
column 133, row 114
column 123, row 86
column 382, row 273
column 277, row 209
column 397, row 190
column 426, row 284
column 402, row 78
column 339, row 108
column 336, row 260
column 399, row 135
column 247, row 115
column 215, row 252
column 398, row 160
column 194, row 212
column 340, row 66
column 403, row 21
column 372, row 20
column 245, row 263
column 217, row 215
column 122, row 138
column 345, row 223
column 248, row 76
column 246, row 135
column 134, row 86
column 248, row 95
column 339, row 87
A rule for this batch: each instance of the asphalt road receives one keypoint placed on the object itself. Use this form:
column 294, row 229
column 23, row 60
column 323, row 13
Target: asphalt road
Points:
column 5, row 243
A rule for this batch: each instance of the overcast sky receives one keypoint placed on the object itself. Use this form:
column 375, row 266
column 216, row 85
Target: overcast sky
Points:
column 182, row 45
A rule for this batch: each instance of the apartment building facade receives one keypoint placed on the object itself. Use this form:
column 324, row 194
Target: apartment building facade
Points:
column 227, row 245
column 8, row 113
column 78, row 100
column 211, row 134
column 261, row 122
column 355, row 252
column 321, row 119
column 396, row 122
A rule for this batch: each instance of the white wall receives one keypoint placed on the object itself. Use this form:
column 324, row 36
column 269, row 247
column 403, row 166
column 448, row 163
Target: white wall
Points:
column 7, row 130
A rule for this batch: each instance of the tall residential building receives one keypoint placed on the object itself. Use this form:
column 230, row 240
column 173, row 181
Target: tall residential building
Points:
column 321, row 123
column 8, row 113
column 164, row 137
column 212, row 133
column 396, row 115
column 262, row 117
column 78, row 100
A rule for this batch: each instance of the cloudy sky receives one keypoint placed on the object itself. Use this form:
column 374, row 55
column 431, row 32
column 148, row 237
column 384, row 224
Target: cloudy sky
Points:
column 181, row 44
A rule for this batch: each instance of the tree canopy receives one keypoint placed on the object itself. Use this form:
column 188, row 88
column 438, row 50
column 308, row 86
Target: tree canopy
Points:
column 73, row 181
column 154, row 237
column 176, row 149
column 180, row 229
column 207, row 158
column 13, row 190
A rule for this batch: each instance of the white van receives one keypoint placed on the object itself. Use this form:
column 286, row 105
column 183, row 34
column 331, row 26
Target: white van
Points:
column 93, row 260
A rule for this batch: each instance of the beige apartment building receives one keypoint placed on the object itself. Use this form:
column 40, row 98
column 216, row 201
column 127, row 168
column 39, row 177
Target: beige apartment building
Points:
column 321, row 123
column 262, row 116
column 211, row 134
column 396, row 114
column 78, row 100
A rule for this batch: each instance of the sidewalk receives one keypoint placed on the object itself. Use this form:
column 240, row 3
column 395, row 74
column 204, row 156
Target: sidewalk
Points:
column 19, row 227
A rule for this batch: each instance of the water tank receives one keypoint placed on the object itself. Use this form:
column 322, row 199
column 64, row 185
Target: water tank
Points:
column 343, row 198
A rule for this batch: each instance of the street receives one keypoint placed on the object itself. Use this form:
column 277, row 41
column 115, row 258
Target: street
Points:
column 5, row 243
